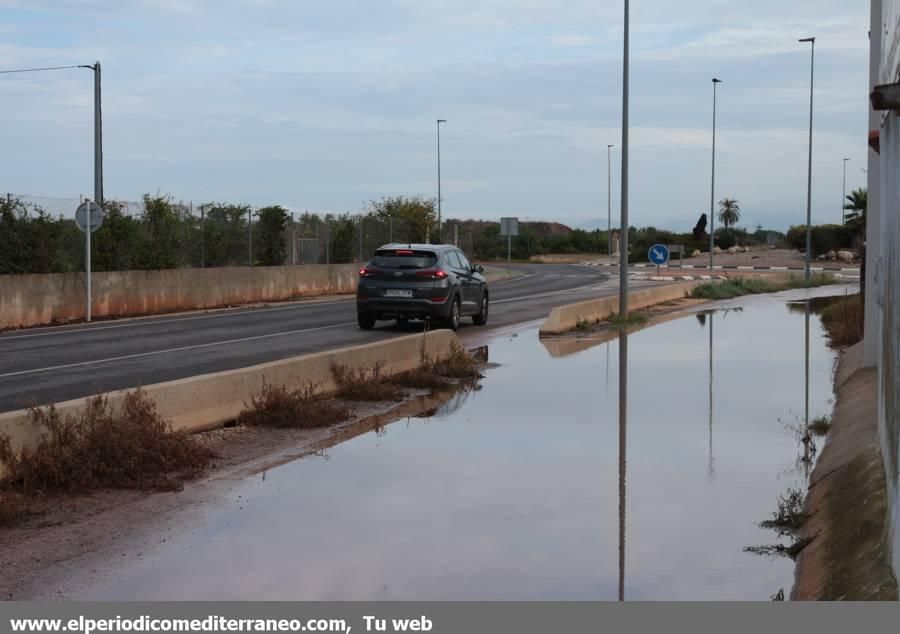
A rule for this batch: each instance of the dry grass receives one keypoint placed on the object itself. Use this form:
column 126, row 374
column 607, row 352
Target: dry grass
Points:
column 14, row 507
column 422, row 378
column 132, row 449
column 276, row 406
column 843, row 321
column 459, row 365
column 364, row 384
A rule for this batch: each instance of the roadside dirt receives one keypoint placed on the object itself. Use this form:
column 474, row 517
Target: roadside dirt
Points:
column 75, row 539
column 847, row 557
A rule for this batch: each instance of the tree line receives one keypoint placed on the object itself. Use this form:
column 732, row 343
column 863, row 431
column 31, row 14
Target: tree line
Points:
column 168, row 234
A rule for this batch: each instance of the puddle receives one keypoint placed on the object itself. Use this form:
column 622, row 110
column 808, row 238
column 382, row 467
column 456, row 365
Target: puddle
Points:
column 535, row 486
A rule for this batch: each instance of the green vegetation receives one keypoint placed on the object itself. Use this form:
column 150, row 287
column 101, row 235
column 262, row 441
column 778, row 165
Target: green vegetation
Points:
column 824, row 238
column 276, row 406
column 728, row 289
column 633, row 319
column 99, row 448
column 787, row 521
column 729, row 212
column 843, row 321
column 164, row 233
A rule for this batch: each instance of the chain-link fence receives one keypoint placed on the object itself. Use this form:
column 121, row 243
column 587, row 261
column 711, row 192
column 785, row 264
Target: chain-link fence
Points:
column 38, row 234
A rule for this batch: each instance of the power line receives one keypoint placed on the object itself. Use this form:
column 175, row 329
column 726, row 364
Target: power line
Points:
column 35, row 70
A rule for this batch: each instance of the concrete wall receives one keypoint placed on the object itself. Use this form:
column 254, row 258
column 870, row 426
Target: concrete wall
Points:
column 884, row 286
column 30, row 300
column 888, row 296
column 210, row 400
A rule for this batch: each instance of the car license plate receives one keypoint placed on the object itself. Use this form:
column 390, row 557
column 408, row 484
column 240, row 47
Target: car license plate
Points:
column 397, row 292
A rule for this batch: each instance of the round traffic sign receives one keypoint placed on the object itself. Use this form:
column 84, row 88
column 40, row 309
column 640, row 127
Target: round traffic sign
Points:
column 658, row 254
column 81, row 215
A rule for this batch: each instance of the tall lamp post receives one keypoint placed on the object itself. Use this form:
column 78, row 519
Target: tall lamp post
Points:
column 623, row 244
column 812, row 65
column 712, row 191
column 439, row 122
column 609, row 200
column 844, row 192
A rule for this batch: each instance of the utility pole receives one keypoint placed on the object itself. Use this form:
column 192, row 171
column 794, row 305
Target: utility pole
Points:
column 98, row 138
column 812, row 63
column 844, row 193
column 712, row 190
column 439, row 122
column 609, row 200
column 249, row 236
column 623, row 257
column 293, row 241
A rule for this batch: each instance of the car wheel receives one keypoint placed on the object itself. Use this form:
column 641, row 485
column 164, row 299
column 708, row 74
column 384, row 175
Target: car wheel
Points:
column 453, row 319
column 481, row 318
column 365, row 321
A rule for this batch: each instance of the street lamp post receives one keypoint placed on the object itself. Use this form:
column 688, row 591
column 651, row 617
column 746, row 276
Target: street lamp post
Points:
column 812, row 65
column 623, row 244
column 439, row 122
column 712, row 191
column 844, row 192
column 609, row 200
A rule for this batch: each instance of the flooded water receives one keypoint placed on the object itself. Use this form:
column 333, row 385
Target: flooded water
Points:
column 534, row 487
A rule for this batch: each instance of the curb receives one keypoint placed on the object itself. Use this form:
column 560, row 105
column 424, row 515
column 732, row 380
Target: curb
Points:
column 207, row 401
column 732, row 267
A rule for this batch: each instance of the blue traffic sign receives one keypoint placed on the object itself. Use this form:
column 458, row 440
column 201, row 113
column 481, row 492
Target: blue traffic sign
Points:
column 658, row 254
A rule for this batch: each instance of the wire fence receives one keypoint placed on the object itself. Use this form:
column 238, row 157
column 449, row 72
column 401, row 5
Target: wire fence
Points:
column 38, row 234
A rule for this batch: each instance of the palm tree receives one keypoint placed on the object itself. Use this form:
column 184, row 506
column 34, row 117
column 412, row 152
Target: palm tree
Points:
column 857, row 203
column 729, row 212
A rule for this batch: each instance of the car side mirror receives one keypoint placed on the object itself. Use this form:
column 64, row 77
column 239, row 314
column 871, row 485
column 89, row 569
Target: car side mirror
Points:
column 478, row 268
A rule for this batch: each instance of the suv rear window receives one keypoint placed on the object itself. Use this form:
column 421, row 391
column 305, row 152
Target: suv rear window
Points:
column 404, row 259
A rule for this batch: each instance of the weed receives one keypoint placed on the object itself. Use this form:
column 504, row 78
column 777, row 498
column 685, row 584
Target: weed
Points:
column 789, row 518
column 843, row 321
column 134, row 448
column 422, row 378
column 585, row 324
column 276, row 406
column 459, row 365
column 633, row 319
column 820, row 426
column 739, row 286
column 362, row 384
column 14, row 507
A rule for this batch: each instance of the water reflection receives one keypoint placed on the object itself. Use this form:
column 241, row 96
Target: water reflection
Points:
column 623, row 445
column 508, row 493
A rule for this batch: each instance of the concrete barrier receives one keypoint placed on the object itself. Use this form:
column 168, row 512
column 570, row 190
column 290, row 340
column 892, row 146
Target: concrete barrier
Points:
column 565, row 318
column 32, row 300
column 211, row 400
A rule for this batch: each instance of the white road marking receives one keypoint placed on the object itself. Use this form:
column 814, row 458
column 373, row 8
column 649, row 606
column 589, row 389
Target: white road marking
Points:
column 166, row 351
column 82, row 328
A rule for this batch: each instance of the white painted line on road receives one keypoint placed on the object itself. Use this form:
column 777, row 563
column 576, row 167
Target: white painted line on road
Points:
column 162, row 320
column 168, row 350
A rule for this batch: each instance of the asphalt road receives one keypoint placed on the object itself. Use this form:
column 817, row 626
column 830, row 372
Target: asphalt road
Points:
column 55, row 364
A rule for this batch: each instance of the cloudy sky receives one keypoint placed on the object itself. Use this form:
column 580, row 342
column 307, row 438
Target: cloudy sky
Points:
column 325, row 104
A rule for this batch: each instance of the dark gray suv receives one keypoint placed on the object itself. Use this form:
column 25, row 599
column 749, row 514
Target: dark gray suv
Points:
column 421, row 281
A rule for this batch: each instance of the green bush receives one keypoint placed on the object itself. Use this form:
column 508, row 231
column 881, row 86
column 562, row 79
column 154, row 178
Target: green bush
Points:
column 824, row 238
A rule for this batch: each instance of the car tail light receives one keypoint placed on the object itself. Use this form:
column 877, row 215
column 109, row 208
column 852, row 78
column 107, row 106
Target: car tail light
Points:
column 403, row 252
column 433, row 274
column 438, row 300
column 367, row 272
